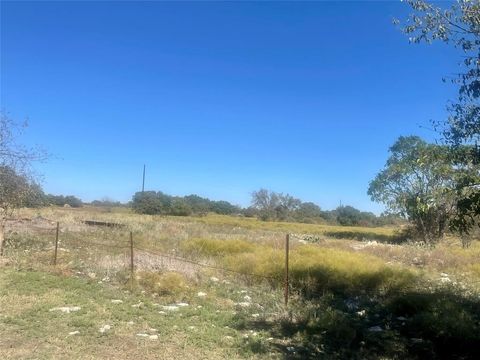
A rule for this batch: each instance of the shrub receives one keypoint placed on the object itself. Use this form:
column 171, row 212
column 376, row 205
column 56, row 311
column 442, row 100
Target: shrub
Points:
column 168, row 283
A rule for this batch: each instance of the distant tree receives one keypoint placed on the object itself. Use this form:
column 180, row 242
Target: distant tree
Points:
column 197, row 204
column 147, row 202
column 265, row 202
column 308, row 212
column 224, row 208
column 180, row 207
column 348, row 216
column 457, row 24
column 416, row 183
column 274, row 206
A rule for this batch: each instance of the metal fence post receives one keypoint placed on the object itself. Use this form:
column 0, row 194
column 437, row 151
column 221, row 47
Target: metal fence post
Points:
column 56, row 244
column 287, row 243
column 132, row 268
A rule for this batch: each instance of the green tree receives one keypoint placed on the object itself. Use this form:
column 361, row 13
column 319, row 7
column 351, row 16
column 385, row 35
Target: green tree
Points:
column 457, row 25
column 147, row 202
column 417, row 183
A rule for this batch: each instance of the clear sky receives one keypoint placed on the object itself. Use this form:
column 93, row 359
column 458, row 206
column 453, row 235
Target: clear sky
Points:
column 218, row 98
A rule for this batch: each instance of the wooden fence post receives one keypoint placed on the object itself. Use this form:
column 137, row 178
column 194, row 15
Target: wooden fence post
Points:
column 56, row 245
column 287, row 244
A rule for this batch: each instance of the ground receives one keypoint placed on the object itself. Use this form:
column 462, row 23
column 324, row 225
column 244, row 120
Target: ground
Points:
column 212, row 287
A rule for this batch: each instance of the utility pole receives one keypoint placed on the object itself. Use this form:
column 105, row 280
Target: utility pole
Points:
column 143, row 182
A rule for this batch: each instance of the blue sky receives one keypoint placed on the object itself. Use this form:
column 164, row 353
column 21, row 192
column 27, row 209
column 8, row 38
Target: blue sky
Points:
column 218, row 98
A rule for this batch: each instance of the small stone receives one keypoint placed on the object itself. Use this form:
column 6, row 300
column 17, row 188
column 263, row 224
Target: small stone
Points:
column 182, row 304
column 162, row 312
column 255, row 316
column 104, row 328
column 375, row 329
column 170, row 307
column 130, row 323
column 92, row 275
column 73, row 333
column 243, row 304
column 214, row 279
column 247, row 298
column 66, row 309
column 401, row 318
column 143, row 335
column 115, row 301
column 153, row 337
column 201, row 294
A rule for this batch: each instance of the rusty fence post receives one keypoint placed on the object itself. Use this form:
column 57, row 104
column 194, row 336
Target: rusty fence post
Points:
column 132, row 268
column 56, row 244
column 287, row 245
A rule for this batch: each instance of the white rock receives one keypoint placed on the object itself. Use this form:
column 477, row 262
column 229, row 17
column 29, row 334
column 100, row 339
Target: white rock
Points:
column 201, row 294
column 375, row 329
column 243, row 304
column 255, row 316
column 361, row 313
column 445, row 280
column 444, row 275
column 214, row 279
column 66, row 309
column 115, row 301
column 170, row 307
column 182, row 304
column 140, row 304
column 143, row 335
column 401, row 318
column 247, row 298
column 73, row 333
column 130, row 323
column 152, row 330
column 162, row 312
column 153, row 337
column 104, row 328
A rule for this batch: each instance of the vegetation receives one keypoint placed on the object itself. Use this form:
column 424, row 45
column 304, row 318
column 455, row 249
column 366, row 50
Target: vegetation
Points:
column 457, row 26
column 417, row 183
column 349, row 298
column 158, row 203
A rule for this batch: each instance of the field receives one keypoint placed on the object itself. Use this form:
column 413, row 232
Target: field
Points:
column 213, row 288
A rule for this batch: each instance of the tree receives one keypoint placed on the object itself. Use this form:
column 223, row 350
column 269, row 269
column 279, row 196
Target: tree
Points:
column 274, row 206
column 458, row 26
column 308, row 211
column 15, row 169
column 417, row 183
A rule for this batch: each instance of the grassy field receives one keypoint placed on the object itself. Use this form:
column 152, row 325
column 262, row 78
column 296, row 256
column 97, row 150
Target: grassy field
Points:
column 353, row 294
